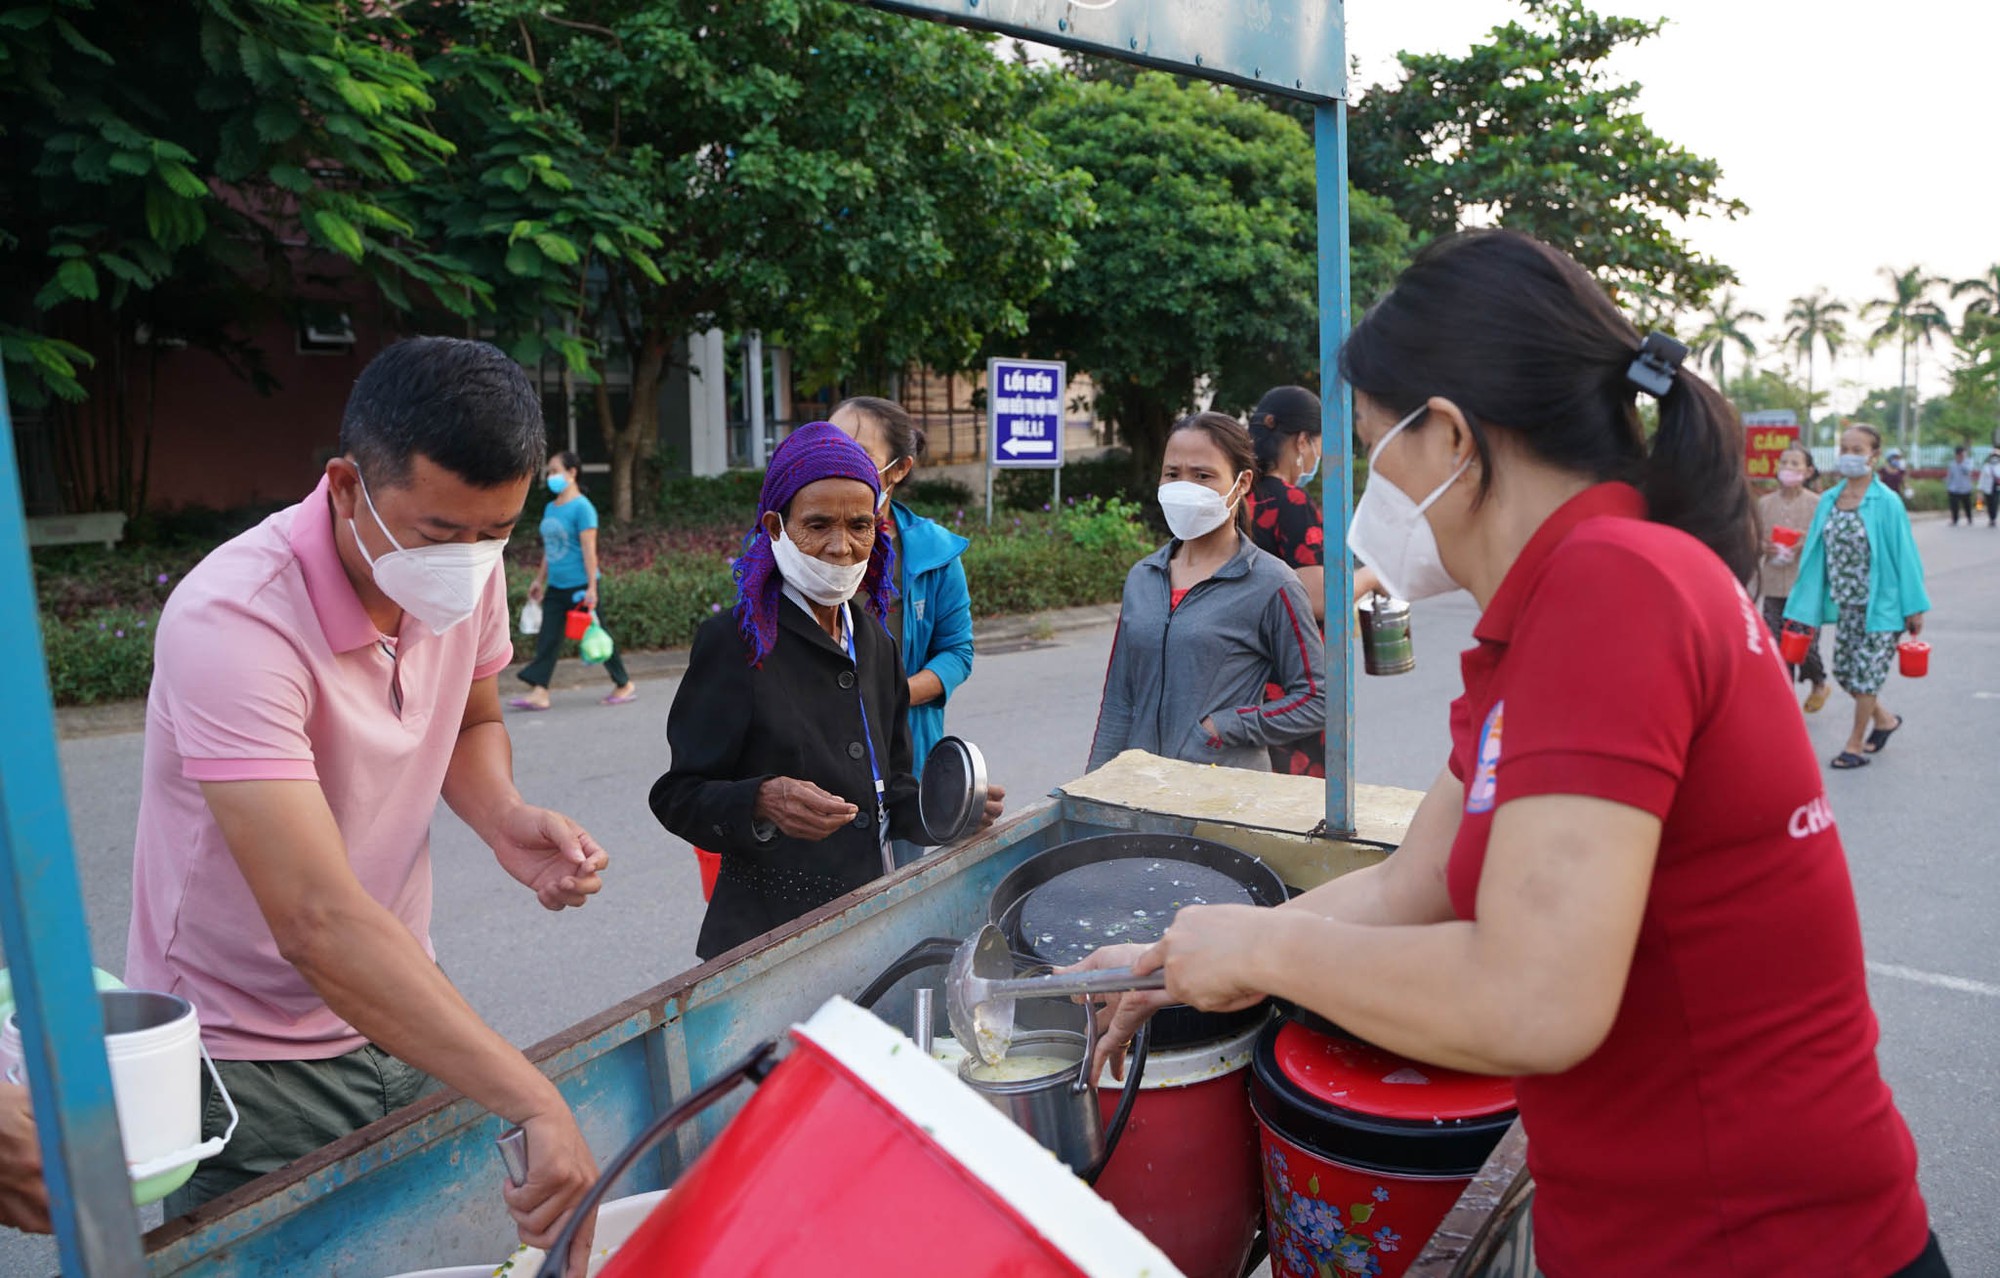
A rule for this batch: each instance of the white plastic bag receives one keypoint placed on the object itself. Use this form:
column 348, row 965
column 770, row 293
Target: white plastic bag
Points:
column 531, row 618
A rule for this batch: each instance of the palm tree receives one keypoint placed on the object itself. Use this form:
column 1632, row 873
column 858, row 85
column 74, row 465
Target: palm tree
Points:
column 1815, row 321
column 1912, row 318
column 1979, row 329
column 1723, row 330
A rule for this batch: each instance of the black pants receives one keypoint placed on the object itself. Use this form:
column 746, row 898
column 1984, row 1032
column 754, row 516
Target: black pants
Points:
column 1960, row 501
column 557, row 601
column 1812, row 669
column 1928, row 1264
column 1992, row 506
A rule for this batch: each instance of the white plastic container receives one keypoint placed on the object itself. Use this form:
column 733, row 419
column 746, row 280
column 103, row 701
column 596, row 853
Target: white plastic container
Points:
column 153, row 1044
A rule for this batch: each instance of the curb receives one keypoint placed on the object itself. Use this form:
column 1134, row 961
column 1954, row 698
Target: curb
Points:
column 994, row 634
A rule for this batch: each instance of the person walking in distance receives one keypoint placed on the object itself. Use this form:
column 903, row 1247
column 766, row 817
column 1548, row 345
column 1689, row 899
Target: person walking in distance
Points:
column 1790, row 507
column 569, row 576
column 1989, row 484
column 1860, row 568
column 1959, row 479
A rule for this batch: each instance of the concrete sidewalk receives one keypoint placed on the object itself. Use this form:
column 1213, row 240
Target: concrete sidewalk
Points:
column 991, row 635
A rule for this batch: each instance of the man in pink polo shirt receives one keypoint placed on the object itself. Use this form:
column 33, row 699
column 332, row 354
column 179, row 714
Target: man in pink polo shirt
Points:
column 320, row 682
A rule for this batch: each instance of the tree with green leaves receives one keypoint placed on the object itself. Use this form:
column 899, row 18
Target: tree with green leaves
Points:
column 1976, row 379
column 1910, row 317
column 1723, row 329
column 1200, row 266
column 1815, row 322
column 858, row 186
column 1530, row 130
column 187, row 173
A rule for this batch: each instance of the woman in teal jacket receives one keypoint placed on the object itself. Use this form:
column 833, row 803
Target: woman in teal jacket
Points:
column 932, row 614
column 1860, row 569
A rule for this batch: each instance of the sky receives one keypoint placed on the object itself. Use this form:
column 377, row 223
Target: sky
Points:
column 1860, row 135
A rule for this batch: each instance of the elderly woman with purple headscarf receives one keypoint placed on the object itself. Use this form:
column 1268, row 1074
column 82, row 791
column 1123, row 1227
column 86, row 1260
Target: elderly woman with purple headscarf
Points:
column 790, row 732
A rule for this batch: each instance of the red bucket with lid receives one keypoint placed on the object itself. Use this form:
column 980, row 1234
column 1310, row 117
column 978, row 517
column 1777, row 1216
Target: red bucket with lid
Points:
column 861, row 1155
column 1364, row 1152
column 1795, row 643
column 1186, row 1170
column 576, row 623
column 1913, row 658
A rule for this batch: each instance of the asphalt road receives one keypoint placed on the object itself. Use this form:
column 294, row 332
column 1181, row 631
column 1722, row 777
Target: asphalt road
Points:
column 1919, row 827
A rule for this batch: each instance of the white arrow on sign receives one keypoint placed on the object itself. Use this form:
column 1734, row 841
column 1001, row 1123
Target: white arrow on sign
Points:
column 1015, row 447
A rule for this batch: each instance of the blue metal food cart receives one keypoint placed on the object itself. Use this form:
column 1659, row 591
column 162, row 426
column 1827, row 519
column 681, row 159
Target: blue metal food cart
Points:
column 416, row 1189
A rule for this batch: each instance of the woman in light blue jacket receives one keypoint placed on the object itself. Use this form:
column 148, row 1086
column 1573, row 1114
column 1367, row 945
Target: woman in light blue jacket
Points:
column 1860, row 568
column 932, row 614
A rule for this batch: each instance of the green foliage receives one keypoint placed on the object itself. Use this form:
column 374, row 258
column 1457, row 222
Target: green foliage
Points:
column 1108, row 475
column 1201, row 263
column 935, row 497
column 659, row 606
column 1033, row 562
column 728, row 500
column 1530, row 130
column 104, row 656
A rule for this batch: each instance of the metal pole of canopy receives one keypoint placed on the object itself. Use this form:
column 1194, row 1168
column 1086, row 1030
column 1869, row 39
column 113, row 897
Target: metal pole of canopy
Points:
column 48, row 947
column 1336, row 439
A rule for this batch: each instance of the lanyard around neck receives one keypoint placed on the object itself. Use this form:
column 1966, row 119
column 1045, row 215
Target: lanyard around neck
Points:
column 867, row 735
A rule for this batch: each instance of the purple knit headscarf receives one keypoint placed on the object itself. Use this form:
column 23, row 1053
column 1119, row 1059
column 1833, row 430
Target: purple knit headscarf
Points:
column 807, row 455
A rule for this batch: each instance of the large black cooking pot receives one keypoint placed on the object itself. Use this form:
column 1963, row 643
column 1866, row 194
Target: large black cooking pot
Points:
column 1175, row 1026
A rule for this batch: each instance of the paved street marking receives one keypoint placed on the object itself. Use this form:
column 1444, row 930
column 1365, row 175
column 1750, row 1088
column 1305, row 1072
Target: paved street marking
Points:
column 1962, row 984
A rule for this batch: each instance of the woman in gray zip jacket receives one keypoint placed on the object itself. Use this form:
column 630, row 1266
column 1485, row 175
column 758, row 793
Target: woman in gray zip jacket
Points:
column 1207, row 620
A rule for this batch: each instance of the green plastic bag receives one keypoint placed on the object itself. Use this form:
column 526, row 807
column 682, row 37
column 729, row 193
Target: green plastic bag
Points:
column 596, row 645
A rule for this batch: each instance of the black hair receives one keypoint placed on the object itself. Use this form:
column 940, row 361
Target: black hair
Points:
column 1873, row 434
column 899, row 430
column 1523, row 340
column 569, row 460
column 462, row 404
column 1284, row 410
column 1233, row 439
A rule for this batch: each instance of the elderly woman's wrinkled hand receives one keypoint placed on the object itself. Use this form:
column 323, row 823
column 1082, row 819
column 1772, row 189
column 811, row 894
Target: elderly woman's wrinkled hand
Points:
column 801, row 809
column 24, row 1200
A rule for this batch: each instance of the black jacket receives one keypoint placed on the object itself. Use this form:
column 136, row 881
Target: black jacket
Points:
column 733, row 727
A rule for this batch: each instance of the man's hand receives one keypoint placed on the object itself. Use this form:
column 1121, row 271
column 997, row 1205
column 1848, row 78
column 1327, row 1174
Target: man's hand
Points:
column 801, row 809
column 560, row 1171
column 551, row 854
column 24, row 1200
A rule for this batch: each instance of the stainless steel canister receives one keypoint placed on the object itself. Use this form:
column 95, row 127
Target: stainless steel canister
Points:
column 1385, row 635
column 1059, row 1110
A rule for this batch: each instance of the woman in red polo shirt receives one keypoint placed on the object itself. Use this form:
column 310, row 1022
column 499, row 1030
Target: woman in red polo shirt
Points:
column 1624, row 890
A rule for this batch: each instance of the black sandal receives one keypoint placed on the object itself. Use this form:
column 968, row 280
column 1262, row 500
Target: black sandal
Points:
column 1848, row 759
column 1880, row 737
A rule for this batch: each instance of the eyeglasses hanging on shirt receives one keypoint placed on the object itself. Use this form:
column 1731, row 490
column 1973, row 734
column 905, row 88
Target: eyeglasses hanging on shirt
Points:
column 388, row 647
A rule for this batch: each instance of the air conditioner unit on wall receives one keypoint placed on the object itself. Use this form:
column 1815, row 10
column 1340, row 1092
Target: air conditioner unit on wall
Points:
column 326, row 333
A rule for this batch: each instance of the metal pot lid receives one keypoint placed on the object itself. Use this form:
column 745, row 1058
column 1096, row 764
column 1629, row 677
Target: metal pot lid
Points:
column 1127, row 899
column 951, row 794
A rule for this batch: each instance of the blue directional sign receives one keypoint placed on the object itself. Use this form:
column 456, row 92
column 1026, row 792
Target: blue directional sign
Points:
column 1024, row 412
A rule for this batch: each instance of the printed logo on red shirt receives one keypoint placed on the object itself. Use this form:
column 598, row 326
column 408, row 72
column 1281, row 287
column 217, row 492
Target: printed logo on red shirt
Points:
column 1479, row 799
column 1753, row 622
column 1813, row 818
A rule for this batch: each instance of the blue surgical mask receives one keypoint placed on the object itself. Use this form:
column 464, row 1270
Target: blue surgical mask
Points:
column 557, row 483
column 1307, row 478
column 1851, row 465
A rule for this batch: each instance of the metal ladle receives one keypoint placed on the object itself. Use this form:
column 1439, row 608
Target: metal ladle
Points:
column 980, row 990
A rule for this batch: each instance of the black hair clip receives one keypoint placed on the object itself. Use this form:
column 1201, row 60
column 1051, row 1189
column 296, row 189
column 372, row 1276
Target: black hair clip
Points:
column 1657, row 362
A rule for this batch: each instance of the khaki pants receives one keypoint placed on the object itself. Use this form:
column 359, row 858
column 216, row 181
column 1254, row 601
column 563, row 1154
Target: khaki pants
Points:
column 289, row 1109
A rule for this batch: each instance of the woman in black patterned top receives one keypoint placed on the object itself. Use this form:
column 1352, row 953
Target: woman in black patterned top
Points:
column 1286, row 522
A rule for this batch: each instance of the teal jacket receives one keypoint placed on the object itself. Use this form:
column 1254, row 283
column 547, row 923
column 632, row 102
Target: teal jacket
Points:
column 1895, row 573
column 937, row 617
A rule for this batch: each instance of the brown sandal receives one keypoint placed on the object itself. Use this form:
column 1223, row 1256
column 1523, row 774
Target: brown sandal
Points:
column 1817, row 697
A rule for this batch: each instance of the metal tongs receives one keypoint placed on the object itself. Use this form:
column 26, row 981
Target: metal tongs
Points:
column 981, row 988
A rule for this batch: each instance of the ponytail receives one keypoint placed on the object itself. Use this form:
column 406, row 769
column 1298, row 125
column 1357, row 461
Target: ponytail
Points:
column 1694, row 478
column 1525, row 341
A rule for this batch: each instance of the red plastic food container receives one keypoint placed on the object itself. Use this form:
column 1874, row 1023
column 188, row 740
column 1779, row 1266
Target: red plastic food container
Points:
column 575, row 622
column 1186, row 1169
column 1913, row 658
column 1364, row 1152
column 1786, row 536
column 1796, row 643
column 861, row 1155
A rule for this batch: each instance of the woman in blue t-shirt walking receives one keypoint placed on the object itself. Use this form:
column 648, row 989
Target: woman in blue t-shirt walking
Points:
column 569, row 571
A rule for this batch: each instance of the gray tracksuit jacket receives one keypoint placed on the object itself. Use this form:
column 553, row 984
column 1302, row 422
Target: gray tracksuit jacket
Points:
column 1248, row 625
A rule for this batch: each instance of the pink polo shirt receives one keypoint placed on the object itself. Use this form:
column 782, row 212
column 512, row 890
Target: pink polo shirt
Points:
column 266, row 667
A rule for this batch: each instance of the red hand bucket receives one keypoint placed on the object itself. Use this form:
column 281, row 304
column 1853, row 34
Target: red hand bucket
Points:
column 1796, row 643
column 1786, row 536
column 1913, row 658
column 576, row 622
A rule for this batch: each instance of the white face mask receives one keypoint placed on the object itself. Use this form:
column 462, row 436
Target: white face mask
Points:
column 824, row 583
column 1391, row 534
column 1193, row 510
column 438, row 585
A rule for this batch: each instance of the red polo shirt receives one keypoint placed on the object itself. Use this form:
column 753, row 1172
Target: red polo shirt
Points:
column 1734, row 1122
